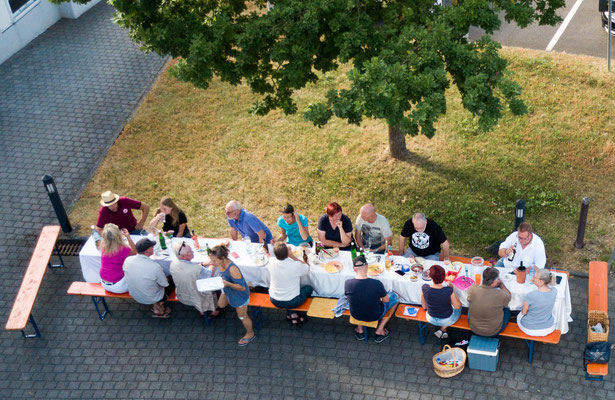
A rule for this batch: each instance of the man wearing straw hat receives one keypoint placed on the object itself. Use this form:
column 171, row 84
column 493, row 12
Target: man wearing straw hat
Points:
column 118, row 210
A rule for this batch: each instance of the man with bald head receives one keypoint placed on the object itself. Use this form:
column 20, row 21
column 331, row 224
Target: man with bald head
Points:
column 427, row 239
column 246, row 224
column 372, row 230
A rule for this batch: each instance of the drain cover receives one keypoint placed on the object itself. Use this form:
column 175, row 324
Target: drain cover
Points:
column 70, row 247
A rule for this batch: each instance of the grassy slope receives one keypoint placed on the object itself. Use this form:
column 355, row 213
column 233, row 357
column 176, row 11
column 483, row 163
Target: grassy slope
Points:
column 203, row 148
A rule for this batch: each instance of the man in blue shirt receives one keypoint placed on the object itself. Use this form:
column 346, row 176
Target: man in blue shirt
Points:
column 246, row 223
column 293, row 226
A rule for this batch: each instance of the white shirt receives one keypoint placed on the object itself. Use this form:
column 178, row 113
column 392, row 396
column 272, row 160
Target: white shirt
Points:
column 533, row 254
column 377, row 231
column 285, row 278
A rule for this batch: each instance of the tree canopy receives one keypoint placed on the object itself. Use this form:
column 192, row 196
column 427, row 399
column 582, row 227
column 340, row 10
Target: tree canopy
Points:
column 403, row 54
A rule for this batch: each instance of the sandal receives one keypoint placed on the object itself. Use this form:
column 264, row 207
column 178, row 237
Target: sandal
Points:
column 360, row 336
column 164, row 315
column 293, row 321
column 382, row 338
column 245, row 341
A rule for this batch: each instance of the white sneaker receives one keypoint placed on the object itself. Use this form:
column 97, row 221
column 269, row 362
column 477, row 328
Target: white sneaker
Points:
column 439, row 334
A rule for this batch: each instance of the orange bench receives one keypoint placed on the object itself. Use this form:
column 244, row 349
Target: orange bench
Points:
column 21, row 312
column 597, row 300
column 262, row 300
column 512, row 329
column 98, row 294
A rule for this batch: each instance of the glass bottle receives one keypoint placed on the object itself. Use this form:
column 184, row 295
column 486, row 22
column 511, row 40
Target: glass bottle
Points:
column 353, row 250
column 163, row 244
column 195, row 239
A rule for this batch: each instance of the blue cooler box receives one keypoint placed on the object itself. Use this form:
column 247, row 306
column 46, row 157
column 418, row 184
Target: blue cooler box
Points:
column 483, row 353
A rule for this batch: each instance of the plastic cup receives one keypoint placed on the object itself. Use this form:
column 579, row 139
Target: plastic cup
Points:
column 477, row 279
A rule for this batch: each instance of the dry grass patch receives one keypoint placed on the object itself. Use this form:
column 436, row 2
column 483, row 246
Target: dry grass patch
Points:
column 203, row 148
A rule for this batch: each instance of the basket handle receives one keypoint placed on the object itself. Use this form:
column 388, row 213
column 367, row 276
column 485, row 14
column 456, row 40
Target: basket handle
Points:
column 447, row 347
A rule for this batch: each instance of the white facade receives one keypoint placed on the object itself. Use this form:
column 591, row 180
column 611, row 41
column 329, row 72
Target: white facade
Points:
column 19, row 27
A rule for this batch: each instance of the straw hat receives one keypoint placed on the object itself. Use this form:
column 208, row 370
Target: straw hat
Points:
column 108, row 198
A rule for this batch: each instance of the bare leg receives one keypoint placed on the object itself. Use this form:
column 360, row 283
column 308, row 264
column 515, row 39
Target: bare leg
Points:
column 242, row 313
column 383, row 321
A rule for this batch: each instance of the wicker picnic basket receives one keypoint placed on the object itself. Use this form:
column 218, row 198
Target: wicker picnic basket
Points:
column 593, row 318
column 449, row 362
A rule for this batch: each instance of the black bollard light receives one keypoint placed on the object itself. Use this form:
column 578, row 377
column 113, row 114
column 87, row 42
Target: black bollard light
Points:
column 58, row 207
column 519, row 213
column 582, row 222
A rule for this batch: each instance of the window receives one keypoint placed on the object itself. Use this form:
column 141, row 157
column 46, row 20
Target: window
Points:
column 17, row 4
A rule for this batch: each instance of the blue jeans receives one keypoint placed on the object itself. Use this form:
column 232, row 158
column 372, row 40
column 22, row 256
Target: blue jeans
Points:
column 393, row 299
column 500, row 263
column 304, row 293
column 433, row 257
column 450, row 320
column 505, row 320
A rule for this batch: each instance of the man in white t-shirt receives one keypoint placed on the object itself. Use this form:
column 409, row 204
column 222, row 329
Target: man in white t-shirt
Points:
column 285, row 289
column 522, row 246
column 372, row 230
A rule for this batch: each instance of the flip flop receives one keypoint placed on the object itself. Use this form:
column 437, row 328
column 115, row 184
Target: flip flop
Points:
column 164, row 316
column 382, row 338
column 359, row 336
column 244, row 342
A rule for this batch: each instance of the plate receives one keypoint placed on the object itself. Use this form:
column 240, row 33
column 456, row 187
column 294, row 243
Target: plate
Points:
column 374, row 269
column 330, row 253
column 419, row 260
column 333, row 267
column 418, row 268
column 209, row 284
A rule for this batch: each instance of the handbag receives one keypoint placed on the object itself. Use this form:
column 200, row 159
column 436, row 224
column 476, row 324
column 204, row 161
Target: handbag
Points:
column 597, row 352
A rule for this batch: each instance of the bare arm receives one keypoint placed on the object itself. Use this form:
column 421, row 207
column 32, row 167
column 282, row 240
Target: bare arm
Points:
column 525, row 308
column 233, row 233
column 445, row 250
column 144, row 213
column 327, row 242
column 423, row 303
column 402, row 245
column 282, row 237
column 455, row 301
column 181, row 229
column 133, row 248
column 358, row 237
column 303, row 231
column 262, row 236
column 235, row 273
column 505, row 252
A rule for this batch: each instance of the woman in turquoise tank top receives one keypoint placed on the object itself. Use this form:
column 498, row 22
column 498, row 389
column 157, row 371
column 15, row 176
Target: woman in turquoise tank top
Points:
column 235, row 291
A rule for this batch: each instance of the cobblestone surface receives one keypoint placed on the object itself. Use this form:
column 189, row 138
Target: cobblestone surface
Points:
column 64, row 100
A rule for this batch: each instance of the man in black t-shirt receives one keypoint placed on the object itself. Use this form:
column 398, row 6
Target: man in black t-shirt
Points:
column 427, row 239
column 369, row 300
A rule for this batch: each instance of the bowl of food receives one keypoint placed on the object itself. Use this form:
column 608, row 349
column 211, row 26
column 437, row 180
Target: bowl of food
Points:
column 414, row 278
column 418, row 268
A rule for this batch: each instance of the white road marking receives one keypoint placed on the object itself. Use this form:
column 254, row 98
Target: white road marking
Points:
column 564, row 25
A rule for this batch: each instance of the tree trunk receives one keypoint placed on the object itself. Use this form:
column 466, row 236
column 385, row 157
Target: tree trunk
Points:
column 397, row 143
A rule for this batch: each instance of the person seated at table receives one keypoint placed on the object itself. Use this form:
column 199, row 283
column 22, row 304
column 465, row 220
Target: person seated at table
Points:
column 147, row 283
column 246, row 223
column 369, row 300
column 488, row 313
column 442, row 304
column 427, row 239
column 334, row 228
column 185, row 274
column 522, row 246
column 536, row 317
column 293, row 227
column 235, row 292
column 118, row 210
column 113, row 254
column 173, row 219
column 372, row 230
column 285, row 289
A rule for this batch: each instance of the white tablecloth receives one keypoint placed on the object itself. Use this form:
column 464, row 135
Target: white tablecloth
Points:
column 325, row 284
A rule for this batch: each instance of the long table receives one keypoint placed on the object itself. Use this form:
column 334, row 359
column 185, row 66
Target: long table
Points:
column 327, row 284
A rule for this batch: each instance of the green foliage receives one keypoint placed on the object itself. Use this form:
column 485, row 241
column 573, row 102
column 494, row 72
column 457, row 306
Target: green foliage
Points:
column 404, row 53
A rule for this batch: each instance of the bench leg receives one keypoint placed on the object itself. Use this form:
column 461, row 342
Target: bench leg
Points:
column 98, row 300
column 37, row 332
column 57, row 253
column 589, row 377
column 257, row 317
column 530, row 345
column 423, row 331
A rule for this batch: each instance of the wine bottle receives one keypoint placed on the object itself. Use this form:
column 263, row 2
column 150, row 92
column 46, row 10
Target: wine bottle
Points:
column 163, row 244
column 353, row 250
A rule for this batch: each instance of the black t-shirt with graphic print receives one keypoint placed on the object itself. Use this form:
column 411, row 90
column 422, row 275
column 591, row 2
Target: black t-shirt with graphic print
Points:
column 424, row 243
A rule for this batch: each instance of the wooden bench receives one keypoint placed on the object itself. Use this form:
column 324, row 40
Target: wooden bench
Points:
column 21, row 312
column 262, row 300
column 597, row 300
column 98, row 294
column 512, row 329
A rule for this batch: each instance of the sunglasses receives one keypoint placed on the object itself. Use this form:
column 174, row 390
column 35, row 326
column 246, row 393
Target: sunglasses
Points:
column 181, row 247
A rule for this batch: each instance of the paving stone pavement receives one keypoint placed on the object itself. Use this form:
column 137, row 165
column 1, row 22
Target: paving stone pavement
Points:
column 63, row 101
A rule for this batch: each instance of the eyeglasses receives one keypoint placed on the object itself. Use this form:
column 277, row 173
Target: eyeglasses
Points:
column 230, row 212
column 525, row 239
column 181, row 247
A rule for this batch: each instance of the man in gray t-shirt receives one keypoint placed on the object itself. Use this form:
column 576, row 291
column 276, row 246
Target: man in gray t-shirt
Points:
column 146, row 279
column 372, row 230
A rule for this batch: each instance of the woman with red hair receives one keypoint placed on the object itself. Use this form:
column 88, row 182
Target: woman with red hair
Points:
column 335, row 228
column 442, row 304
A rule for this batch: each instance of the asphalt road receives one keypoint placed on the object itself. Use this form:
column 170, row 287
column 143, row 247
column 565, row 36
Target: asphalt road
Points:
column 583, row 34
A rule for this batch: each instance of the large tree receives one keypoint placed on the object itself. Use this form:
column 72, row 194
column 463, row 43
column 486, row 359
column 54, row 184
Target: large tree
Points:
column 403, row 53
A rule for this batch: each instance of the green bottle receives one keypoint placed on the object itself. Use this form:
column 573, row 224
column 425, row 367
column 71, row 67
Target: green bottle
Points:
column 207, row 249
column 163, row 244
column 353, row 250
column 362, row 253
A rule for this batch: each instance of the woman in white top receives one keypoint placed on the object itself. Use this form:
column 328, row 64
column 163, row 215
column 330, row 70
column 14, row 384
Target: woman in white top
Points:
column 285, row 290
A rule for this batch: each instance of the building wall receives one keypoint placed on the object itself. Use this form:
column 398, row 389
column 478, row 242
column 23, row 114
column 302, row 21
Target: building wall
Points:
column 20, row 28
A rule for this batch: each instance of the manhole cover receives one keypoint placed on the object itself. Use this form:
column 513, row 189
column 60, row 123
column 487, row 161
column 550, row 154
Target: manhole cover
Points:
column 70, row 247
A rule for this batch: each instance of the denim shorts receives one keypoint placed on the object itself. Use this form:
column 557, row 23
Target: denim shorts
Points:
column 393, row 299
column 450, row 320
